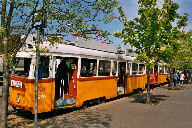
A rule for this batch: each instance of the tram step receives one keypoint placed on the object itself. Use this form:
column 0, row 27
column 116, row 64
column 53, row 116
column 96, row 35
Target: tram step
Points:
column 68, row 101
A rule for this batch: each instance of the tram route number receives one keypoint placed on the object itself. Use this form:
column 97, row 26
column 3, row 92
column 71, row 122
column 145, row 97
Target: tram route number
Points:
column 16, row 84
column 41, row 96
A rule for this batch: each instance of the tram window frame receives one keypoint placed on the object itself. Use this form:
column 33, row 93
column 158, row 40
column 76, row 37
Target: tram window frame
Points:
column 129, row 69
column 114, row 68
column 161, row 69
column 141, row 68
column 70, row 62
column 166, row 70
column 134, row 72
column 103, row 65
column 151, row 70
column 88, row 67
column 22, row 68
column 45, row 66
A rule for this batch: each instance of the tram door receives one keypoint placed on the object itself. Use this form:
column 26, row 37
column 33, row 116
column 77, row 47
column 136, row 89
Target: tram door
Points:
column 73, row 77
column 122, row 76
column 65, row 78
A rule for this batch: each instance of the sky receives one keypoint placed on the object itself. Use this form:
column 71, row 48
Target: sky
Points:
column 130, row 8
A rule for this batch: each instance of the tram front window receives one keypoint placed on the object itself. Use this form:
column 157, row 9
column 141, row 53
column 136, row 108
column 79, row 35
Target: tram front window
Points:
column 22, row 66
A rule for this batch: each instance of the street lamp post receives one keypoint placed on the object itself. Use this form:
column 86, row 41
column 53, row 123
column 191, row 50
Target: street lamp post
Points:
column 36, row 76
column 37, row 25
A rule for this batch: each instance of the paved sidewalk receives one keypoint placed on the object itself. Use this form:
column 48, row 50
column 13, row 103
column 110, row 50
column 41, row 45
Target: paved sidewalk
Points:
column 173, row 111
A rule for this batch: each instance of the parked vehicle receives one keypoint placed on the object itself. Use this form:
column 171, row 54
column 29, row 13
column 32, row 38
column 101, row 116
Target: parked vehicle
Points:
column 74, row 74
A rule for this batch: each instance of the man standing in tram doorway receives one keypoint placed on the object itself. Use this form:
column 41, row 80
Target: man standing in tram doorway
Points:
column 62, row 74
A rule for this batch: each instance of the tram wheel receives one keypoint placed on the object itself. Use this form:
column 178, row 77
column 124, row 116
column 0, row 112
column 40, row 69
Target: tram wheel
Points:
column 86, row 104
column 18, row 110
column 14, row 108
column 102, row 99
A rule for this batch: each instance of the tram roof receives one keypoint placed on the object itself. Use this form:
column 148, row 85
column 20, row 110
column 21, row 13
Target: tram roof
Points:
column 82, row 47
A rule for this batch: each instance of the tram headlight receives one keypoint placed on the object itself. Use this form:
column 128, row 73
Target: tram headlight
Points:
column 18, row 99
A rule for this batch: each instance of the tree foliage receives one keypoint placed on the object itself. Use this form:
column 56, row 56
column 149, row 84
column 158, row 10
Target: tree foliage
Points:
column 152, row 33
column 13, row 41
column 59, row 17
column 183, row 57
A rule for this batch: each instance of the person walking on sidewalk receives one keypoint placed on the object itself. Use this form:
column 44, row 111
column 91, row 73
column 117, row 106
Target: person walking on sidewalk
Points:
column 175, row 78
column 182, row 77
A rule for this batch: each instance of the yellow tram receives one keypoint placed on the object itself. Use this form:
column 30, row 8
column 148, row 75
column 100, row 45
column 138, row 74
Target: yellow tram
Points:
column 72, row 73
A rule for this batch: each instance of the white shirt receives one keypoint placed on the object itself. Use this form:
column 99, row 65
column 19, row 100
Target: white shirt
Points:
column 182, row 76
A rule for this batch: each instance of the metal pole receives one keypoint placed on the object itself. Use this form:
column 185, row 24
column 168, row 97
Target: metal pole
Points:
column 68, row 76
column 60, row 87
column 63, row 88
column 36, row 77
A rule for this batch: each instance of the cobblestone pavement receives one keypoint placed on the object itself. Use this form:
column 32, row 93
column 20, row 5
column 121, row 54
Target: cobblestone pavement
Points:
column 174, row 110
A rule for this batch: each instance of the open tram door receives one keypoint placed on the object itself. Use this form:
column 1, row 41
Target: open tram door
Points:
column 121, row 78
column 65, row 82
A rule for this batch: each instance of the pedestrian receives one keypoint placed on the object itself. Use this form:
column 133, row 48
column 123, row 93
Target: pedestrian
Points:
column 178, row 73
column 182, row 77
column 175, row 78
column 187, row 77
column 191, row 76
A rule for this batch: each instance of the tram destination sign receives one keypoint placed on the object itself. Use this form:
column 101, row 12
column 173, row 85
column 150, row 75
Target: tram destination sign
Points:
column 18, row 84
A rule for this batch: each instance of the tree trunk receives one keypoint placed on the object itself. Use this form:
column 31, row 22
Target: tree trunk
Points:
column 171, row 80
column 148, row 100
column 5, row 89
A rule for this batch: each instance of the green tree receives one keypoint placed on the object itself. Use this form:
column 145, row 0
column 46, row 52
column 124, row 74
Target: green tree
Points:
column 152, row 33
column 183, row 57
column 17, row 18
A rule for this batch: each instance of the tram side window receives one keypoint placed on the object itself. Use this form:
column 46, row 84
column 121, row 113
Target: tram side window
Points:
column 44, row 67
column 129, row 69
column 134, row 68
column 88, row 67
column 161, row 70
column 114, row 68
column 151, row 70
column 104, row 68
column 141, row 68
column 166, row 69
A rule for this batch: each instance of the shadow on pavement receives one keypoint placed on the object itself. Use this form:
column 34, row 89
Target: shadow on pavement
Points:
column 89, row 119
column 141, row 98
column 83, row 119
column 28, row 115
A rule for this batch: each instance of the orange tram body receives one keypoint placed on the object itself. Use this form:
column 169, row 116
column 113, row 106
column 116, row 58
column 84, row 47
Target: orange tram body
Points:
column 70, row 74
